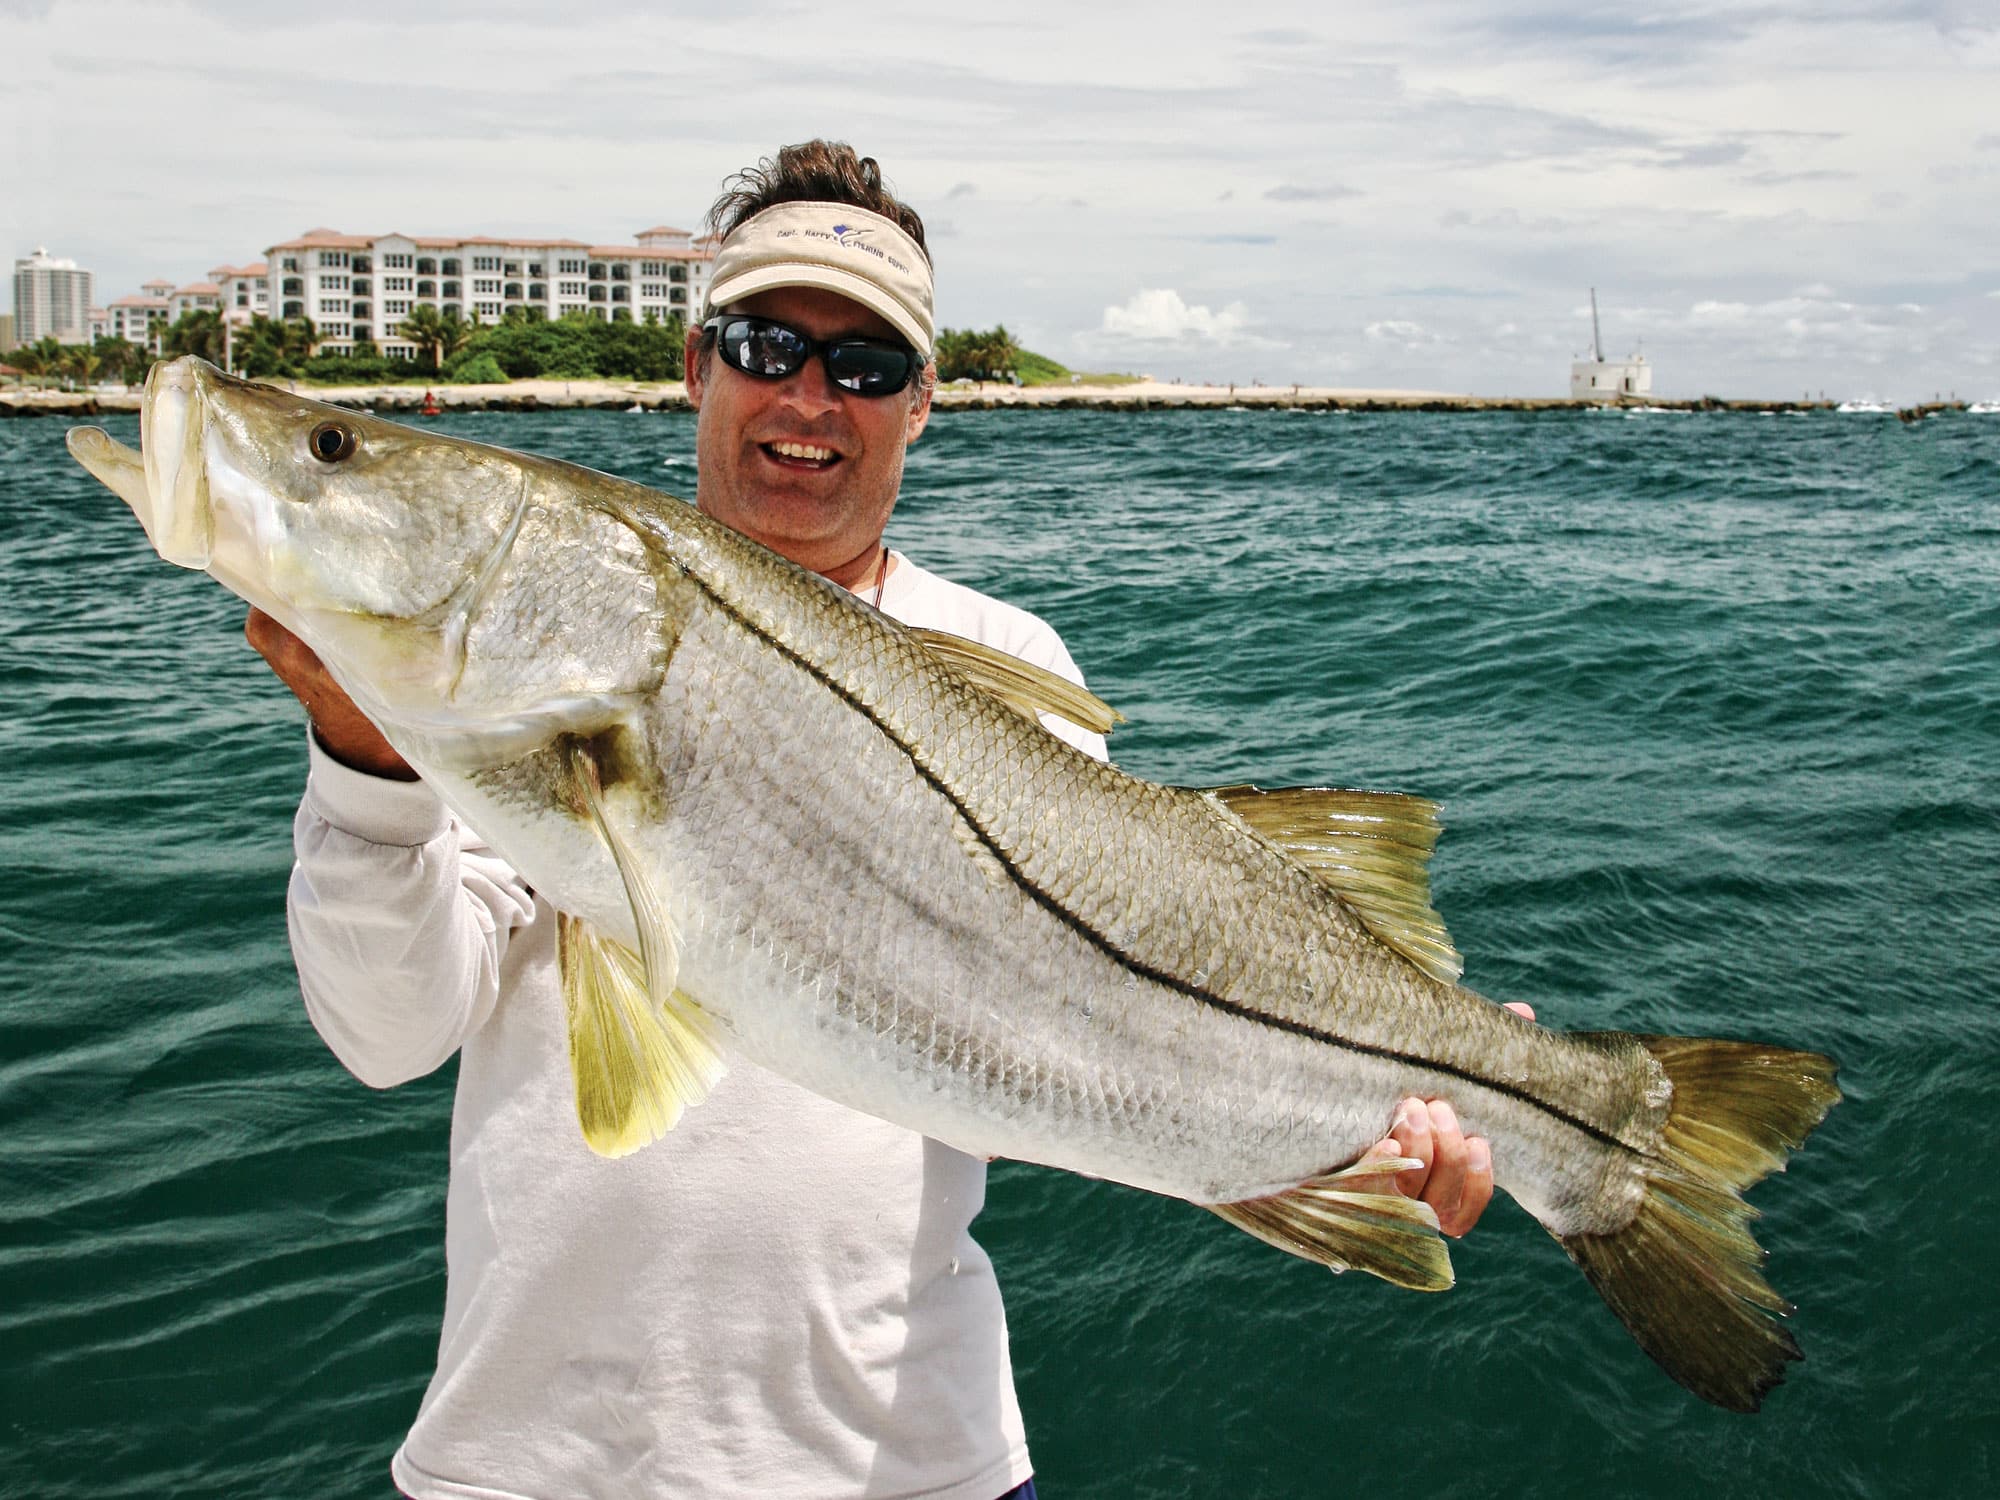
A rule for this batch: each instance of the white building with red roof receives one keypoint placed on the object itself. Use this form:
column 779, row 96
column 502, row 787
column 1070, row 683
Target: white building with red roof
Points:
column 361, row 287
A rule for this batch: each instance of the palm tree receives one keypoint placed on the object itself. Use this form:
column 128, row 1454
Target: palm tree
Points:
column 453, row 334
column 301, row 337
column 83, row 363
column 198, row 333
column 424, row 328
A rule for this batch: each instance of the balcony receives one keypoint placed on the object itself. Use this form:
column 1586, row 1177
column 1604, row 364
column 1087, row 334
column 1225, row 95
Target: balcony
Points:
column 621, row 294
column 538, row 291
column 513, row 268
column 621, row 272
column 363, row 287
column 362, row 265
column 295, row 286
column 677, row 273
column 596, row 293
column 426, row 265
column 453, row 310
column 449, row 268
column 450, row 287
column 513, row 291
column 295, row 309
column 621, row 314
column 427, row 289
column 362, row 312
column 597, row 270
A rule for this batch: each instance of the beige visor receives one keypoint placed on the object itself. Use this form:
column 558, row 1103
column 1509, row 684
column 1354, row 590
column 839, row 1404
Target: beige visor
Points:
column 835, row 246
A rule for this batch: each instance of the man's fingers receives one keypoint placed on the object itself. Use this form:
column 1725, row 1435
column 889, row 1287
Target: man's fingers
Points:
column 1412, row 1135
column 1476, row 1192
column 1449, row 1159
column 1521, row 1009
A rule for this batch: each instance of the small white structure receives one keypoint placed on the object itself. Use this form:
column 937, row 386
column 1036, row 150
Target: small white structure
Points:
column 51, row 297
column 1601, row 379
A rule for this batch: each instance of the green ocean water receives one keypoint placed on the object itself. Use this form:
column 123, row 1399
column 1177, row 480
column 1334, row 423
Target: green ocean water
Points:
column 1713, row 706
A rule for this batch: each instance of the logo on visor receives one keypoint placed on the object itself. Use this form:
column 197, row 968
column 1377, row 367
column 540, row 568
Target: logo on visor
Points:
column 842, row 231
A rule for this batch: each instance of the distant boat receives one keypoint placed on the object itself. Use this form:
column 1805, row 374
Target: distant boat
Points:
column 1985, row 408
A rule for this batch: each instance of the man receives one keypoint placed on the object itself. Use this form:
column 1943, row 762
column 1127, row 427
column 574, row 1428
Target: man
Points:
column 782, row 1298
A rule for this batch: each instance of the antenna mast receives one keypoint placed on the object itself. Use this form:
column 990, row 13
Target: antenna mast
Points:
column 1596, row 339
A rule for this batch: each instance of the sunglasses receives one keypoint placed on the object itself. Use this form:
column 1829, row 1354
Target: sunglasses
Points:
column 766, row 349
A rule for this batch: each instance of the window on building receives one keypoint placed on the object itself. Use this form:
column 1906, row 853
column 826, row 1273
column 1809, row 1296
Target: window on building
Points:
column 333, row 258
column 333, row 283
column 289, row 263
column 486, row 285
column 569, row 268
column 395, row 309
column 396, row 262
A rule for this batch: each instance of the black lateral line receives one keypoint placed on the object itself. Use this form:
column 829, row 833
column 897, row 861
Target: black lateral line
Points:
column 1098, row 940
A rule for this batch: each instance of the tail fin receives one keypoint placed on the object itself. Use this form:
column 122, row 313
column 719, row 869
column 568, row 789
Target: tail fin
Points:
column 1685, row 1276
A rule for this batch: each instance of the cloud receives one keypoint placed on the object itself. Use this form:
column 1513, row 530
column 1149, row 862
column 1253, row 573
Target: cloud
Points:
column 1402, row 333
column 1158, row 315
column 1287, row 192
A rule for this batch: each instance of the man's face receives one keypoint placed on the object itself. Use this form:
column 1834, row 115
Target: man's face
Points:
column 799, row 464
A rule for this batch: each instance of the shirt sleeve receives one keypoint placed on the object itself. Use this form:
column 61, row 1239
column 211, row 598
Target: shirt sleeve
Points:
column 399, row 921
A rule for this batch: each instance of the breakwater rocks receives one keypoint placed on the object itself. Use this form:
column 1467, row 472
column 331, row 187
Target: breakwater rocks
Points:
column 404, row 401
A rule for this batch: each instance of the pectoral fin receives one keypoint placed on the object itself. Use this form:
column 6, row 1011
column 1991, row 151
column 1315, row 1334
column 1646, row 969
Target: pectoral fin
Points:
column 1323, row 1220
column 1027, row 689
column 1372, row 848
column 640, row 1050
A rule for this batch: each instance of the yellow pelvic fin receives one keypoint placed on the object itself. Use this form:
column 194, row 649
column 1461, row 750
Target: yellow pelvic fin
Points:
column 636, row 1064
column 1027, row 689
column 1372, row 849
column 640, row 1051
column 1325, row 1219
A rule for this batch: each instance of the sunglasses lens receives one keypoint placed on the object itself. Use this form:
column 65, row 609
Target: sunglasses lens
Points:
column 757, row 347
column 771, row 351
column 869, row 368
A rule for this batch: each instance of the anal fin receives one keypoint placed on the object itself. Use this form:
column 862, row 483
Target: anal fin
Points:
column 1324, row 1219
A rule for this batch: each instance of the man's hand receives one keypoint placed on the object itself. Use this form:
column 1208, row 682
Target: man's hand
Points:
column 344, row 731
column 1456, row 1178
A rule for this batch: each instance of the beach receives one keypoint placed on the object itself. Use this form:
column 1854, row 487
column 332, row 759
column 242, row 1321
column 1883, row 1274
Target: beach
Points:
column 1139, row 395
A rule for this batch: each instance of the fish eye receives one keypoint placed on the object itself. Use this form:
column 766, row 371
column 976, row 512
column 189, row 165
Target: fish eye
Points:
column 331, row 442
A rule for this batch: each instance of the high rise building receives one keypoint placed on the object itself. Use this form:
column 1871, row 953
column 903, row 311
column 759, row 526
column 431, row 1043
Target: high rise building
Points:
column 51, row 297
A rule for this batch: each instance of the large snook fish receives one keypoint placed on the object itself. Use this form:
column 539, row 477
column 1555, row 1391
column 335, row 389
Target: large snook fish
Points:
column 781, row 826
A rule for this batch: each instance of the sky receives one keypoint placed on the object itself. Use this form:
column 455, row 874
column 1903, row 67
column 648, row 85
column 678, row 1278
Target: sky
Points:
column 1771, row 197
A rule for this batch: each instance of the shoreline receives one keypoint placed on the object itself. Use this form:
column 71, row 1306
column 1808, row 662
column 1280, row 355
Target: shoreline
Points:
column 1144, row 395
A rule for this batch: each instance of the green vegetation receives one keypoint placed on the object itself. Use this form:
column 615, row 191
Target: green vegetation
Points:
column 522, row 346
column 969, row 354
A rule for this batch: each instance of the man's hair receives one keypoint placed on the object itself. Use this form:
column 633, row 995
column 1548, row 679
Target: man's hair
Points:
column 810, row 172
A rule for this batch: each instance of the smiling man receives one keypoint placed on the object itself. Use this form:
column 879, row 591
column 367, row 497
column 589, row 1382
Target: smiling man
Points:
column 782, row 1297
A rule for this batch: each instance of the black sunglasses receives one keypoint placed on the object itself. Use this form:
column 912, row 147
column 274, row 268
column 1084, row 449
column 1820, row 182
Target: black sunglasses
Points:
column 769, row 350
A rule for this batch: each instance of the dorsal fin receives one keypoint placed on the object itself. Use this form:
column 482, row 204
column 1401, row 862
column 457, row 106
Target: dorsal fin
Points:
column 1372, row 849
column 1022, row 686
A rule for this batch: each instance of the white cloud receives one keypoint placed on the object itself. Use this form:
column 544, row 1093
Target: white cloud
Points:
column 1159, row 315
column 1402, row 333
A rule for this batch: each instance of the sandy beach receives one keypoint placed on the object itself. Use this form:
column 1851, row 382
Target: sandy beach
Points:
column 1141, row 395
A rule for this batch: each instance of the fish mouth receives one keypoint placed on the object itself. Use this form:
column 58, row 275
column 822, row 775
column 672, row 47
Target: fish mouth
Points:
column 171, row 424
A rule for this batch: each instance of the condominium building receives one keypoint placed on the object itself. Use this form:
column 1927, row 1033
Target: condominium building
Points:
column 361, row 287
column 51, row 297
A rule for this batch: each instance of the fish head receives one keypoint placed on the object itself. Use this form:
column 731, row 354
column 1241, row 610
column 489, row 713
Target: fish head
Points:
column 390, row 550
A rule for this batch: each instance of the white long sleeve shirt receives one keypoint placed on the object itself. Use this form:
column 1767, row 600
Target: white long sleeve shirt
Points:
column 782, row 1298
